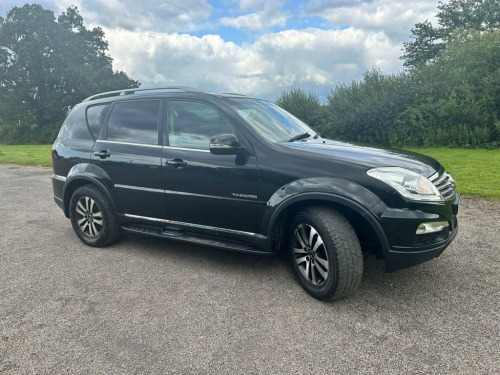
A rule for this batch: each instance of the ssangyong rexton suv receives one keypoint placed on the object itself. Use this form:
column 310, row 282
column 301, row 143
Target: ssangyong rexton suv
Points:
column 242, row 174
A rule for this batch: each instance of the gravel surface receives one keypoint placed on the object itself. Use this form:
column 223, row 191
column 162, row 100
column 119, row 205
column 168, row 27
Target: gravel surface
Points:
column 149, row 306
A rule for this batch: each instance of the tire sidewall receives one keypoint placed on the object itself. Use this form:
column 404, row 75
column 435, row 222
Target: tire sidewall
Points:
column 80, row 193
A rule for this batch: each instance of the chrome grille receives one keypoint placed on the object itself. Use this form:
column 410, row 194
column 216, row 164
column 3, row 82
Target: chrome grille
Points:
column 445, row 184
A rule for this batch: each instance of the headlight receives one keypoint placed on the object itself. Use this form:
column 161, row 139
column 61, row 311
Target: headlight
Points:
column 409, row 184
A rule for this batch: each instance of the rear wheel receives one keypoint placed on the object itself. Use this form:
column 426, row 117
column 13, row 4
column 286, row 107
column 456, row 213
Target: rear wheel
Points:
column 92, row 217
column 325, row 253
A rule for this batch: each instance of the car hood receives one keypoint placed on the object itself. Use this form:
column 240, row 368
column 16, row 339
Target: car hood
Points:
column 367, row 156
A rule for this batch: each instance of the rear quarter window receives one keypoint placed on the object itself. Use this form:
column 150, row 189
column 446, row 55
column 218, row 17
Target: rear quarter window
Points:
column 95, row 117
column 75, row 125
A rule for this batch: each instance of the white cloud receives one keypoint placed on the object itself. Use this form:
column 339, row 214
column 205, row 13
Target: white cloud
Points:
column 255, row 21
column 158, row 15
column 268, row 14
column 255, row 4
column 313, row 58
column 149, row 40
column 394, row 18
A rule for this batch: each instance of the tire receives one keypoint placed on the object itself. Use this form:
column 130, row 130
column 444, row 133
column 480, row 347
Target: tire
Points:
column 325, row 253
column 92, row 217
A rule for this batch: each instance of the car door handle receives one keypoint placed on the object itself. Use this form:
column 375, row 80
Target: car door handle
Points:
column 103, row 154
column 176, row 163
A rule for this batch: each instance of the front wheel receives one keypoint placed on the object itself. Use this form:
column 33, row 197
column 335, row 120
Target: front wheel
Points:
column 92, row 217
column 325, row 253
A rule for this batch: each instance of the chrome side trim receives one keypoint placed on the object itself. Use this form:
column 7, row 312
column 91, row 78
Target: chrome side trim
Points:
column 58, row 178
column 139, row 188
column 186, row 149
column 128, row 143
column 191, row 225
column 209, row 196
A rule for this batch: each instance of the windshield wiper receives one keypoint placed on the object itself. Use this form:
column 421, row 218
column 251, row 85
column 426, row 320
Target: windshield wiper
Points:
column 299, row 137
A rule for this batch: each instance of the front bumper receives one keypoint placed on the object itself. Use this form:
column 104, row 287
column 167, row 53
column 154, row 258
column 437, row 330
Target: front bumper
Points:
column 399, row 259
column 404, row 248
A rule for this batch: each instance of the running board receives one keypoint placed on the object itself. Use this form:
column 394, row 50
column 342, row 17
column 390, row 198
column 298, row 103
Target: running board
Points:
column 178, row 235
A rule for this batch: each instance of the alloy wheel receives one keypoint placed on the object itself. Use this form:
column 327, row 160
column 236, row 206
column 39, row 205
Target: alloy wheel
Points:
column 310, row 254
column 89, row 217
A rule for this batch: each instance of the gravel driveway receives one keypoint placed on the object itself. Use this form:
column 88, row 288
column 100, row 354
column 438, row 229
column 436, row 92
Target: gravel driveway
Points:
column 149, row 306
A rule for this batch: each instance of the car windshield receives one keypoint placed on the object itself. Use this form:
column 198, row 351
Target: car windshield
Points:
column 270, row 121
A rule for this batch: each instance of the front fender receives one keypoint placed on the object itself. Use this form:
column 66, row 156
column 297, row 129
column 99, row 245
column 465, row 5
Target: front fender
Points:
column 335, row 190
column 86, row 173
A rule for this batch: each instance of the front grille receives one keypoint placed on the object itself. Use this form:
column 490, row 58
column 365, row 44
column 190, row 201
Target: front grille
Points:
column 431, row 238
column 445, row 184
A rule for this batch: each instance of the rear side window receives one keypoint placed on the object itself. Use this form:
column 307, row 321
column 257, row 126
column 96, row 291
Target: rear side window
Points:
column 134, row 122
column 75, row 126
column 95, row 117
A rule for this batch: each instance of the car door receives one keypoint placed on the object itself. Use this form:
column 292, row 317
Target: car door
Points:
column 129, row 151
column 203, row 189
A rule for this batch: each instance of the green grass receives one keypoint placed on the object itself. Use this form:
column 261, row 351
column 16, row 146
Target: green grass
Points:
column 26, row 155
column 476, row 172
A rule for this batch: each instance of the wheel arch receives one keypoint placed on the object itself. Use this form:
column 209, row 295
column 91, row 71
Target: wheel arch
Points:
column 366, row 226
column 87, row 174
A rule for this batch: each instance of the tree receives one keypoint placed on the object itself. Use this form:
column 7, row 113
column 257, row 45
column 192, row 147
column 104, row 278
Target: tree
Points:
column 449, row 97
column 452, row 101
column 299, row 103
column 47, row 67
column 429, row 41
column 366, row 110
column 305, row 106
column 458, row 97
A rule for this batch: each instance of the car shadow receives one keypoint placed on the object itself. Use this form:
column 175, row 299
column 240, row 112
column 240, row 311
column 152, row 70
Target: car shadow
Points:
column 376, row 285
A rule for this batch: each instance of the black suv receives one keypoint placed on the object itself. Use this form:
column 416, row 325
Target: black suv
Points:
column 242, row 174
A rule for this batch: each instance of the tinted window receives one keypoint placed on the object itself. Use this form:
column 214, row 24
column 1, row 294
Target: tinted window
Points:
column 135, row 122
column 75, row 126
column 95, row 117
column 192, row 124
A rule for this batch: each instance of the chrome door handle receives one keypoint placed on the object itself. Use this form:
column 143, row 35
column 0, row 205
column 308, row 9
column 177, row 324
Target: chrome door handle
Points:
column 103, row 154
column 176, row 163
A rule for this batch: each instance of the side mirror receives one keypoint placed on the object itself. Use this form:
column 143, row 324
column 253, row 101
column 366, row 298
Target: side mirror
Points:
column 225, row 144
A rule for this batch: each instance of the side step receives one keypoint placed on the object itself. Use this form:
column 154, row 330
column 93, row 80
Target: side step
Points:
column 177, row 235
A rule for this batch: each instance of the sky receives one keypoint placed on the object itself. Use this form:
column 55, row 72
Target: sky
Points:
column 252, row 47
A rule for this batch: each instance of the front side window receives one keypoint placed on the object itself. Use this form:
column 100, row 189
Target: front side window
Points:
column 192, row 124
column 134, row 122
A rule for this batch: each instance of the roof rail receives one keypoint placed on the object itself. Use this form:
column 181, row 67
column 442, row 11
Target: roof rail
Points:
column 233, row 93
column 132, row 91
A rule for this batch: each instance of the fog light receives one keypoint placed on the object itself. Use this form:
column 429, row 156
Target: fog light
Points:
column 432, row 227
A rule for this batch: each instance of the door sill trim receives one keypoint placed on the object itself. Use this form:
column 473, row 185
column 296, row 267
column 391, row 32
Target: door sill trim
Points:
column 193, row 225
column 190, row 238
